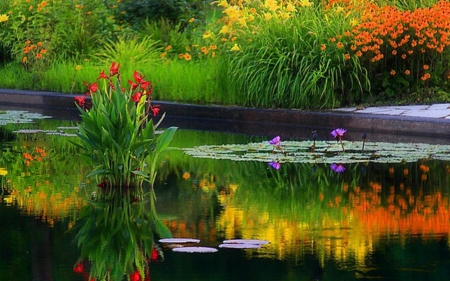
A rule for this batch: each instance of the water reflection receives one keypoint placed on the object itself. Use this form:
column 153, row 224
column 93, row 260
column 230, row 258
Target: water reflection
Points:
column 115, row 237
column 347, row 217
column 382, row 221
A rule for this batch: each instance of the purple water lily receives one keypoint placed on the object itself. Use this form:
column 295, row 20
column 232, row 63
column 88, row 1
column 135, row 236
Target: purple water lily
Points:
column 338, row 168
column 339, row 133
column 276, row 141
column 275, row 165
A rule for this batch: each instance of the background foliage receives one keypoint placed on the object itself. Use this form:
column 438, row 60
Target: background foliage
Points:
column 291, row 54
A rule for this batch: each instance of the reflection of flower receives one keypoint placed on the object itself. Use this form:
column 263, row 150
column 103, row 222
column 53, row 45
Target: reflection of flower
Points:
column 275, row 165
column 3, row 172
column 338, row 168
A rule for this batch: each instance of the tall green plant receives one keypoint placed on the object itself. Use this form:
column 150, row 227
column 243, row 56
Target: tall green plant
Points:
column 117, row 134
column 118, row 141
column 285, row 63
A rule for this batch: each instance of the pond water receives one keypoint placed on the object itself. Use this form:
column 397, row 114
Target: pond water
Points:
column 371, row 221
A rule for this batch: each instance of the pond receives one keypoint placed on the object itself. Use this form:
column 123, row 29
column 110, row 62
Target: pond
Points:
column 369, row 221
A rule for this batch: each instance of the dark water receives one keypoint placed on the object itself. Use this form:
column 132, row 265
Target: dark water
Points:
column 382, row 222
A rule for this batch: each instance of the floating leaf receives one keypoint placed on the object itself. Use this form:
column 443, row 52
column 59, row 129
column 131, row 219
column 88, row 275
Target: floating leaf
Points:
column 179, row 240
column 246, row 241
column 240, row 246
column 324, row 152
column 195, row 250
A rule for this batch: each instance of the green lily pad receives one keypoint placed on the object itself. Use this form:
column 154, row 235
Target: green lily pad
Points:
column 324, row 152
column 19, row 117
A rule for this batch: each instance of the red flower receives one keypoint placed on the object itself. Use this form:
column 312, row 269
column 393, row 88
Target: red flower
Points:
column 102, row 185
column 135, row 276
column 92, row 88
column 102, row 76
column 155, row 109
column 138, row 77
column 154, row 255
column 136, row 97
column 114, row 69
column 147, row 87
column 79, row 268
column 133, row 85
column 80, row 100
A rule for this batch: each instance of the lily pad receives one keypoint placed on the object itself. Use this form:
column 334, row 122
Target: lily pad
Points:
column 179, row 240
column 240, row 246
column 195, row 250
column 246, row 241
column 324, row 152
column 19, row 117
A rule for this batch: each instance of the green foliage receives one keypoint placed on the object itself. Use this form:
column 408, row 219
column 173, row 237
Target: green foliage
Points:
column 133, row 13
column 117, row 138
column 37, row 32
column 284, row 65
column 131, row 50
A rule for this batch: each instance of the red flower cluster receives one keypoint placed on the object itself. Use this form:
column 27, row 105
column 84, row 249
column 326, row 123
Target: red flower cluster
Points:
column 139, row 87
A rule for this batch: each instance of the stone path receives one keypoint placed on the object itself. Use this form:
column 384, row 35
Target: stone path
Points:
column 438, row 111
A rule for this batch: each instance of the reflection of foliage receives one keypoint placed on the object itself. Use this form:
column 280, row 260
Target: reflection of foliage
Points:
column 40, row 177
column 116, row 237
column 307, row 207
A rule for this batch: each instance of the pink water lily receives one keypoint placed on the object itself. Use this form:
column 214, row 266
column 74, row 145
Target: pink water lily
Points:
column 275, row 141
column 339, row 132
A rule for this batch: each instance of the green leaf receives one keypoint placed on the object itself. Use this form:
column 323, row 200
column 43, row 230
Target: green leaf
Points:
column 165, row 138
column 161, row 229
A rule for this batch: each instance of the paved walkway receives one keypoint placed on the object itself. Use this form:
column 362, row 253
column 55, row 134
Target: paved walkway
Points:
column 439, row 111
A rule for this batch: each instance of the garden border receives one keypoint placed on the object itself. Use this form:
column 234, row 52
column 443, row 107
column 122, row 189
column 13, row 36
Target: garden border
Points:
column 243, row 119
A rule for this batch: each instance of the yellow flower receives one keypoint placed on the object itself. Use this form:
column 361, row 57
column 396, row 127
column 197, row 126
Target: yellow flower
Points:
column 224, row 30
column 207, row 34
column 290, row 8
column 223, row 3
column 271, row 4
column 3, row 18
column 3, row 172
column 306, row 3
column 78, row 67
column 191, row 20
column 267, row 16
column 235, row 48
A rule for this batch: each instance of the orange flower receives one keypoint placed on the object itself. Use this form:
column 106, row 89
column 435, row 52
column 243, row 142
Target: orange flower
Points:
column 181, row 56
column 323, row 47
column 187, row 56
column 340, row 45
column 332, row 39
column 347, row 56
column 425, row 66
column 392, row 72
column 407, row 72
